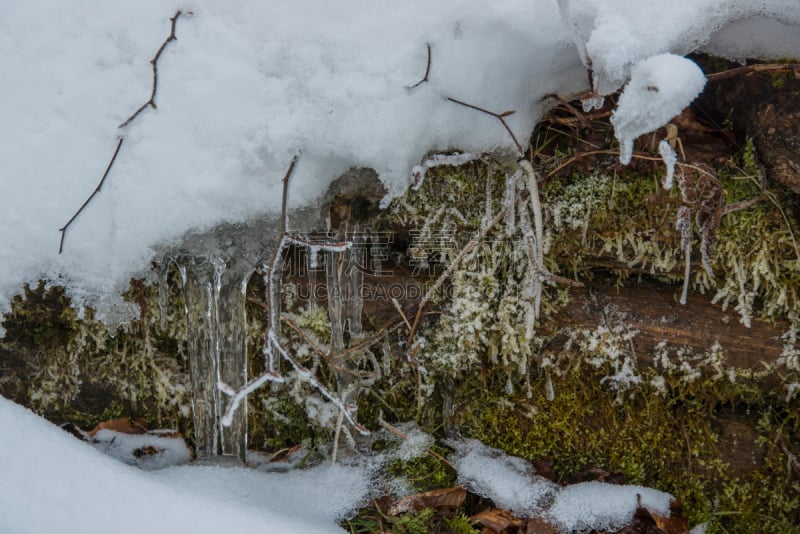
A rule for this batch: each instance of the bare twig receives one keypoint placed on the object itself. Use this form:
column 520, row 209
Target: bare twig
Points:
column 499, row 116
column 427, row 70
column 578, row 115
column 154, row 62
column 151, row 102
column 63, row 229
column 751, row 69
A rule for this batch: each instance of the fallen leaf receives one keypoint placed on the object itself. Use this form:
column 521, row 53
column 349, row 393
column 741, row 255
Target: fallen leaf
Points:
column 672, row 525
column 440, row 498
column 124, row 425
column 537, row 525
column 497, row 520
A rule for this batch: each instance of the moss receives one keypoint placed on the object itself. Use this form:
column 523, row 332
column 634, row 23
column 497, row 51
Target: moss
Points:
column 425, row 472
column 41, row 317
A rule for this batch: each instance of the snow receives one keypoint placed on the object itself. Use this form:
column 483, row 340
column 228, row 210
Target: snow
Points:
column 659, row 88
column 53, row 482
column 507, row 480
column 601, row 506
column 244, row 88
column 512, row 484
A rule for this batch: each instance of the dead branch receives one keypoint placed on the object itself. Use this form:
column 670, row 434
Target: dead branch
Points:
column 499, row 116
column 427, row 70
column 752, row 69
column 63, row 229
column 154, row 62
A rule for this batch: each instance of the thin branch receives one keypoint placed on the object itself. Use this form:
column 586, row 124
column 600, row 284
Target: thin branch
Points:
column 427, row 70
column 499, row 116
column 583, row 120
column 751, row 69
column 63, row 229
column 154, row 62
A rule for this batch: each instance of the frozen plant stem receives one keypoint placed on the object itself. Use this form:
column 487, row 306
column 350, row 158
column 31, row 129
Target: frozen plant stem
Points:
column 272, row 341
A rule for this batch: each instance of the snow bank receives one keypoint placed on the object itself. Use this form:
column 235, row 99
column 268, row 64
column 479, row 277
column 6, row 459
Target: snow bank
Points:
column 246, row 86
column 53, row 482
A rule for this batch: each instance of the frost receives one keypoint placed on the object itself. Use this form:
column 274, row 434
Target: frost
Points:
column 670, row 159
column 659, row 88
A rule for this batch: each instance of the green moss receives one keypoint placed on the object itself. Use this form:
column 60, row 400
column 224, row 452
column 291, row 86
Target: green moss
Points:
column 425, row 472
column 41, row 317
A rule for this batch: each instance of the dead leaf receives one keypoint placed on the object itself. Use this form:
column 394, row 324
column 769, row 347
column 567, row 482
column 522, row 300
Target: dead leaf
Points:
column 124, row 425
column 497, row 520
column 440, row 498
column 507, row 113
column 672, row 525
column 537, row 525
column 147, row 450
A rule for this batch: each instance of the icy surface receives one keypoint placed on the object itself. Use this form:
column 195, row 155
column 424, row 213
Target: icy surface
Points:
column 246, row 86
column 659, row 88
column 53, row 482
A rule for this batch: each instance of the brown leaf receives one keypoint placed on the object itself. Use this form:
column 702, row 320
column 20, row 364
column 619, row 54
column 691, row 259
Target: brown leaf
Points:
column 497, row 520
column 439, row 498
column 672, row 525
column 125, row 425
column 507, row 113
column 537, row 525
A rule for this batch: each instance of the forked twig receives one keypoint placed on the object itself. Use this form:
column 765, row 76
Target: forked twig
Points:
column 499, row 116
column 154, row 62
column 427, row 70
column 63, row 229
column 272, row 341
